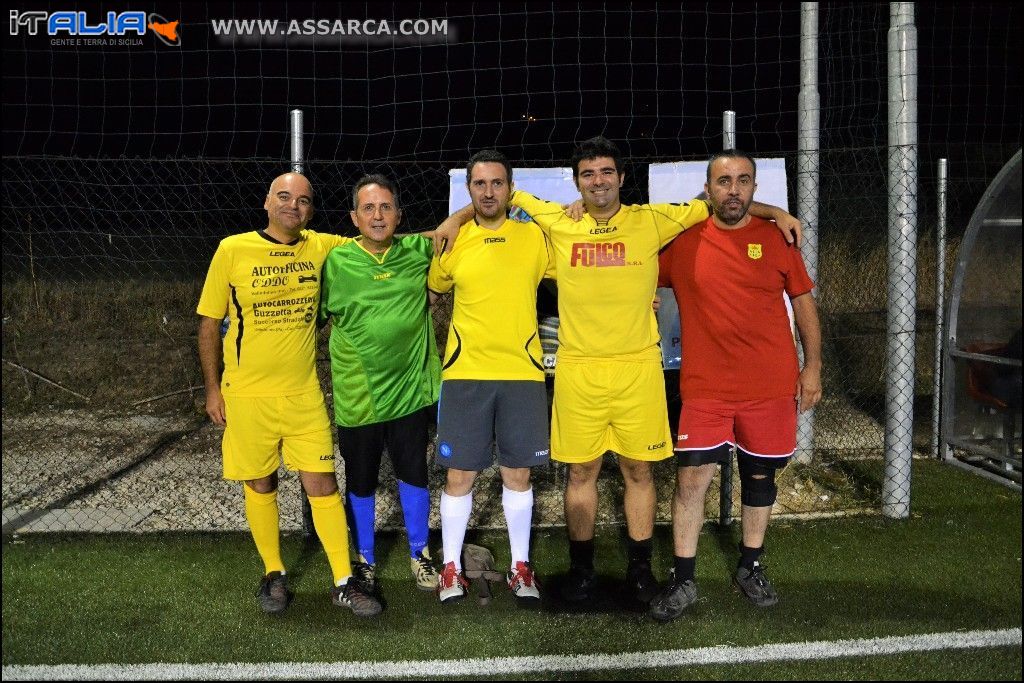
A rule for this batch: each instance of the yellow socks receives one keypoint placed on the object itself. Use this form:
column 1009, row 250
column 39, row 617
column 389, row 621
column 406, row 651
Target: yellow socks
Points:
column 261, row 511
column 332, row 528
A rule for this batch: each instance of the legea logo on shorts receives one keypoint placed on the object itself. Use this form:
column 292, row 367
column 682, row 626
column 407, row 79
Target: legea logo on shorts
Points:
column 541, row 454
column 656, row 446
column 327, row 457
column 445, row 449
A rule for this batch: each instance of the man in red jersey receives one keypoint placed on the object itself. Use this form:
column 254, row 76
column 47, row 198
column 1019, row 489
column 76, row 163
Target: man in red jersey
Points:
column 740, row 382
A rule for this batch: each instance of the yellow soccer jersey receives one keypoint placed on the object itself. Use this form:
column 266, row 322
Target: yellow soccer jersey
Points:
column 271, row 291
column 608, row 272
column 493, row 334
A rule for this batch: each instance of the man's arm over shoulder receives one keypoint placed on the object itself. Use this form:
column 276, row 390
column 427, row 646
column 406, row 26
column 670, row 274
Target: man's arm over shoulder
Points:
column 543, row 213
column 445, row 235
column 672, row 219
column 328, row 240
column 789, row 225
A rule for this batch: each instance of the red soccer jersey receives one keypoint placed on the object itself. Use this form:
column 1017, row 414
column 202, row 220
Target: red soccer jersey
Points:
column 737, row 343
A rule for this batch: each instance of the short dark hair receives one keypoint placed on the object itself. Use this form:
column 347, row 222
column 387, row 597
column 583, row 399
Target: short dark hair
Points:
column 731, row 154
column 375, row 179
column 593, row 148
column 488, row 156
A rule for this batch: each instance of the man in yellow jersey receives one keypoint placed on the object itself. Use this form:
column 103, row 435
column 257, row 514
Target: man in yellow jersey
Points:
column 268, row 398
column 492, row 389
column 609, row 388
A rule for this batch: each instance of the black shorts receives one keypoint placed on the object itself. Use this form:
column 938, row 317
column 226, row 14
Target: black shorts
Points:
column 405, row 439
column 474, row 414
column 721, row 454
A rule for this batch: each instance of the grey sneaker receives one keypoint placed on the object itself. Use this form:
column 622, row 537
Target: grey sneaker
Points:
column 365, row 575
column 423, row 571
column 755, row 585
column 352, row 596
column 673, row 599
column 273, row 594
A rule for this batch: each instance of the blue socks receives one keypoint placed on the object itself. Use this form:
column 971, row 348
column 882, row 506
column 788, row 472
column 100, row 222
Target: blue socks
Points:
column 416, row 509
column 362, row 519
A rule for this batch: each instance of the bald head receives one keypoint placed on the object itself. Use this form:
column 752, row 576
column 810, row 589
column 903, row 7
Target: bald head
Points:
column 288, row 179
column 289, row 206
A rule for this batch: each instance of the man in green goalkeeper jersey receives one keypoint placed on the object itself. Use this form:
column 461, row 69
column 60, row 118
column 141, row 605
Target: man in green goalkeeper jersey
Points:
column 385, row 369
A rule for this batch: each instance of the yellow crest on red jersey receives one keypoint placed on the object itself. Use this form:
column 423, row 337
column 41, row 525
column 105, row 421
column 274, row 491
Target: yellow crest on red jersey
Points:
column 754, row 251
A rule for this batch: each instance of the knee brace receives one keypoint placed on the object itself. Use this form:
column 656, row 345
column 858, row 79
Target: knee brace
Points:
column 756, row 490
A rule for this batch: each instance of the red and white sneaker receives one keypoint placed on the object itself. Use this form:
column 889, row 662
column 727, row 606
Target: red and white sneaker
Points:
column 451, row 584
column 523, row 583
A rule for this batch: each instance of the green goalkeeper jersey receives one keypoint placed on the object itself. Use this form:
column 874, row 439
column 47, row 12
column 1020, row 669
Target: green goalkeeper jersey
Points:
column 384, row 360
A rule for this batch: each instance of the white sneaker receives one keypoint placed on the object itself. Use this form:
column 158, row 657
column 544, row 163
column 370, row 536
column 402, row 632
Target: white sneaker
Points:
column 451, row 584
column 523, row 583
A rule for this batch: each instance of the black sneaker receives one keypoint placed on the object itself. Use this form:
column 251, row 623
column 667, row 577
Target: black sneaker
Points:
column 755, row 585
column 579, row 583
column 273, row 594
column 641, row 581
column 351, row 595
column 673, row 599
column 365, row 575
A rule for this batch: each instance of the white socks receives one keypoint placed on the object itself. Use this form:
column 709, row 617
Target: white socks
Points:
column 455, row 511
column 518, row 507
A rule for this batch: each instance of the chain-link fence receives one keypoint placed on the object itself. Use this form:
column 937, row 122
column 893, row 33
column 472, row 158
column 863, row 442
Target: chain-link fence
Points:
column 103, row 420
column 104, row 257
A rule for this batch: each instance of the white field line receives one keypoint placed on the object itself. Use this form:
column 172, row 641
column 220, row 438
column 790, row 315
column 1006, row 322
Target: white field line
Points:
column 497, row 666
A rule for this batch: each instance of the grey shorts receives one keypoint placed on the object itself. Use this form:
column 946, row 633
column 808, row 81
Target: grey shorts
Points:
column 474, row 414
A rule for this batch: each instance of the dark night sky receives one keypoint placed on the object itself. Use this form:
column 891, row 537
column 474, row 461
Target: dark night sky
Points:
column 142, row 156
column 530, row 80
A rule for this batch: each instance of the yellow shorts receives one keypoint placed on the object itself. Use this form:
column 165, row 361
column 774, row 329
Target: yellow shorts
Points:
column 610, row 404
column 260, row 428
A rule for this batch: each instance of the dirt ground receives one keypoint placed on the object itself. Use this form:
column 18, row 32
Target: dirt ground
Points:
column 92, row 471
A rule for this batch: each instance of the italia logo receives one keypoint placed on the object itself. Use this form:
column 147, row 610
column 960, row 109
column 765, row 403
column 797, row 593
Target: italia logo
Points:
column 599, row 255
column 754, row 251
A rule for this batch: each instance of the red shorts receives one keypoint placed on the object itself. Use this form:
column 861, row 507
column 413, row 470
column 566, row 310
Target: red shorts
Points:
column 763, row 427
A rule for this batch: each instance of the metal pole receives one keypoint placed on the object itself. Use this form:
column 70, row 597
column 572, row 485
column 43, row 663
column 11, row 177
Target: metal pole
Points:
column 728, row 129
column 296, row 135
column 807, row 176
column 940, row 297
column 308, row 529
column 902, row 270
column 725, row 495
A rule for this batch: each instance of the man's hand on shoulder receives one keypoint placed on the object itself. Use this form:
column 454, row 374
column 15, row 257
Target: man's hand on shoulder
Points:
column 791, row 227
column 575, row 211
column 446, row 233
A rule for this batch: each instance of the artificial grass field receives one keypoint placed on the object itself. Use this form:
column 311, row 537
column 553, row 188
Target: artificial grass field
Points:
column 954, row 565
